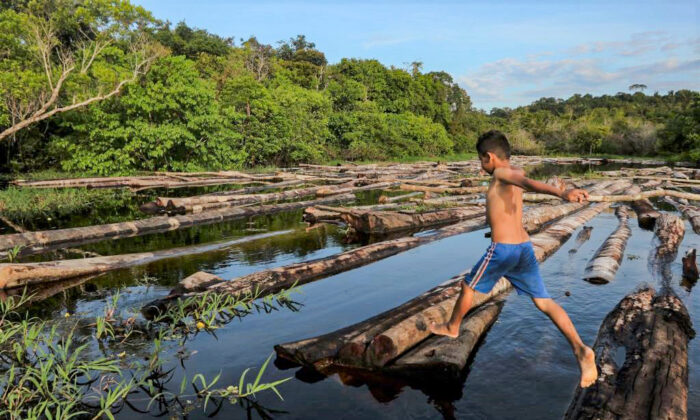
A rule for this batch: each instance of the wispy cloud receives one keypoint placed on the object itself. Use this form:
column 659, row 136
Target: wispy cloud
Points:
column 611, row 66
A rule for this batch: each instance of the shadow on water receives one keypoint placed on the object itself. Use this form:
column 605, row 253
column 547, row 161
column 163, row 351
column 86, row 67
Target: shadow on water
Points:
column 442, row 386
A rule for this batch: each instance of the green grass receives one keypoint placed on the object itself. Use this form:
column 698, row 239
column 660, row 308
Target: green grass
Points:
column 88, row 367
column 27, row 204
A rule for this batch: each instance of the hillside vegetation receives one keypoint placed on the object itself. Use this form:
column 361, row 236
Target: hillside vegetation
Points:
column 191, row 100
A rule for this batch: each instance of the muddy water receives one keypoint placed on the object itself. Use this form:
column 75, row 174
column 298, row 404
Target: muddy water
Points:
column 524, row 368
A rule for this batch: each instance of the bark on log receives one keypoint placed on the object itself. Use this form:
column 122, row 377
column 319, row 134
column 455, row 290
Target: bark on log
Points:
column 643, row 195
column 669, row 231
column 393, row 342
column 646, row 213
column 141, row 183
column 603, row 266
column 652, row 383
column 22, row 274
column 692, row 213
column 381, row 222
column 43, row 240
column 199, row 204
column 460, row 191
column 450, row 355
column 403, row 197
column 351, row 342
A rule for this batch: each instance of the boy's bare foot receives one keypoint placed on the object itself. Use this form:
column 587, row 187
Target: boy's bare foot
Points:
column 589, row 371
column 443, row 329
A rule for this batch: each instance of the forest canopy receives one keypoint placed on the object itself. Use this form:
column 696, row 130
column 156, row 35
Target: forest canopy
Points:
column 101, row 86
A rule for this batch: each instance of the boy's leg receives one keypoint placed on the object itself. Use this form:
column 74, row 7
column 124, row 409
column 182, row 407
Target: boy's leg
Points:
column 462, row 306
column 583, row 353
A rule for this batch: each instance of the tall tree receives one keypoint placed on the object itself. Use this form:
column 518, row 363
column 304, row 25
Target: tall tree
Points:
column 61, row 55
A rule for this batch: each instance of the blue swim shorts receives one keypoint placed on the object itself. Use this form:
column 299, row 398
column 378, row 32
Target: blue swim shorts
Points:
column 515, row 262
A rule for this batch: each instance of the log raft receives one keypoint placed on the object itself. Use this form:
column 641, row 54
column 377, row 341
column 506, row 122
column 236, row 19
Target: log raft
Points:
column 603, row 266
column 652, row 382
column 276, row 279
column 365, row 345
column 692, row 213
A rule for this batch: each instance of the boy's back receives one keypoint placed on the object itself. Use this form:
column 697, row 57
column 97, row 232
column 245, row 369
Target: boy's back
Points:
column 504, row 208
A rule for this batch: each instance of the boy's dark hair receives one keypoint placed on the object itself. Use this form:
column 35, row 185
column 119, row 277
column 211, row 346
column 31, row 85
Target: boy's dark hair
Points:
column 495, row 142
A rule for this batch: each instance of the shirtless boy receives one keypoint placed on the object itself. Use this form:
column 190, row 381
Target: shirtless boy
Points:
column 510, row 254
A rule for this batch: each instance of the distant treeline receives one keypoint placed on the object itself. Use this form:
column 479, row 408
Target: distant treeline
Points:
column 198, row 101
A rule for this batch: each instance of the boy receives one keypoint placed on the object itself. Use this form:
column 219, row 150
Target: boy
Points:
column 511, row 254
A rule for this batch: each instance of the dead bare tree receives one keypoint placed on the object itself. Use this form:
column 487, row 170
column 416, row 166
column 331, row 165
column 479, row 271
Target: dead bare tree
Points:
column 59, row 63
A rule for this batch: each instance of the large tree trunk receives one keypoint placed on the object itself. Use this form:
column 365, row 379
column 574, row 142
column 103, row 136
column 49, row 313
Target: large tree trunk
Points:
column 450, row 355
column 606, row 260
column 669, row 231
column 164, row 181
column 406, row 325
column 197, row 204
column 393, row 342
column 19, row 275
column 381, row 222
column 444, row 190
column 44, row 240
column 646, row 213
column 652, row 382
column 692, row 213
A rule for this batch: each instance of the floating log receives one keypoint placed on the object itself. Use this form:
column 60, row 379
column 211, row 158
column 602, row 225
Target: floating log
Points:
column 23, row 274
column 317, row 214
column 690, row 268
column 403, row 197
column 445, row 190
column 652, row 383
column 276, row 279
column 393, row 342
column 197, row 204
column 403, row 327
column 381, row 222
column 669, row 231
column 43, row 240
column 450, row 355
column 606, row 260
column 460, row 199
column 144, row 182
column 643, row 195
column 646, row 213
column 692, row 213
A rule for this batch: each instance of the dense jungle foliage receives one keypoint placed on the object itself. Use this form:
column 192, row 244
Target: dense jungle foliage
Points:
column 192, row 100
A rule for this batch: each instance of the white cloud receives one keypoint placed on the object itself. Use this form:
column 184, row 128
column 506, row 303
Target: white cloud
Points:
column 512, row 81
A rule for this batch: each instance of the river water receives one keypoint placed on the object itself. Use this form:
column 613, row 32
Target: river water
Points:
column 523, row 369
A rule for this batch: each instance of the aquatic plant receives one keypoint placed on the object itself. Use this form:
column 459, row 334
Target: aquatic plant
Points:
column 50, row 368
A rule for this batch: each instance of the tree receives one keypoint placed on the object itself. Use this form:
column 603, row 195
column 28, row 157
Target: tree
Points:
column 168, row 121
column 62, row 55
column 638, row 87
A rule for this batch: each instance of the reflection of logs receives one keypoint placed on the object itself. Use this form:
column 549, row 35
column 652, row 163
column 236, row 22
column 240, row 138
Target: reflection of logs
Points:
column 18, row 275
column 88, row 234
column 604, row 264
column 652, row 332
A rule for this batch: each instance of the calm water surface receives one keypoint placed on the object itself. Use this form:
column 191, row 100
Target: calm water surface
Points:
column 524, row 369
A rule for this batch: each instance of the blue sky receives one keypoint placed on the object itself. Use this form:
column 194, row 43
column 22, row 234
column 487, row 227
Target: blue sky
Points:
column 502, row 53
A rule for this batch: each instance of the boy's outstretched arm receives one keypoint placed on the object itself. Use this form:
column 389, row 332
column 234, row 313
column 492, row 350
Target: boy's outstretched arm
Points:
column 510, row 176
